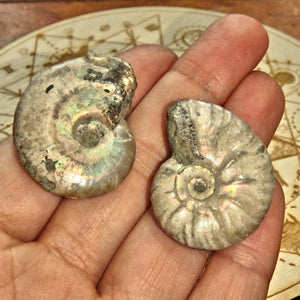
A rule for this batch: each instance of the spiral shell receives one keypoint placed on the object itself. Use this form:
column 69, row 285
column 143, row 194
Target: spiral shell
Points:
column 217, row 186
column 69, row 128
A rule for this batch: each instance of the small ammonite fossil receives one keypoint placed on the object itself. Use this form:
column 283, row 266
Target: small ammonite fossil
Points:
column 217, row 186
column 69, row 128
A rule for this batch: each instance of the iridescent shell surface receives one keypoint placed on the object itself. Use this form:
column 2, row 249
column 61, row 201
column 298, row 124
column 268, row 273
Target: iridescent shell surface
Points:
column 69, row 128
column 217, row 186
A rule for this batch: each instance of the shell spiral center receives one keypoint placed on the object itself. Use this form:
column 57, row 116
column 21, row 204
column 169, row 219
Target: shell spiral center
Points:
column 196, row 182
column 88, row 131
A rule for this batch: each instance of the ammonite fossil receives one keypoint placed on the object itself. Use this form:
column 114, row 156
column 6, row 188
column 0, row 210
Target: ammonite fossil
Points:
column 217, row 186
column 69, row 128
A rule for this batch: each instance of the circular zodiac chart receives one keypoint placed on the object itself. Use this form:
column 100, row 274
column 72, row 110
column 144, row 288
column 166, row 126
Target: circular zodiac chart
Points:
column 116, row 30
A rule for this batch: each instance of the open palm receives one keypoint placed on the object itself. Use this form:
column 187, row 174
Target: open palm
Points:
column 110, row 247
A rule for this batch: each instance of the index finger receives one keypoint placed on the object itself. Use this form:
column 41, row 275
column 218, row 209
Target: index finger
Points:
column 210, row 70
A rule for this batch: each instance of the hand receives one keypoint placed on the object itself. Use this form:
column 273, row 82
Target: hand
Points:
column 110, row 247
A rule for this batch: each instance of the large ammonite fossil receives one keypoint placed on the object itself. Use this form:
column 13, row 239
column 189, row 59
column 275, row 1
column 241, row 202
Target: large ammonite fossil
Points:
column 69, row 128
column 218, row 184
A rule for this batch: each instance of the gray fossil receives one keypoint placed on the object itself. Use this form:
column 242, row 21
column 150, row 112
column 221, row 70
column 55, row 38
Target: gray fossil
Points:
column 218, row 184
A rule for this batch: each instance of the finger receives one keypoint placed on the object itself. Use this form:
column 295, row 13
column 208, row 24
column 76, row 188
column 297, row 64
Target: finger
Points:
column 247, row 267
column 244, row 270
column 149, row 63
column 148, row 247
column 210, row 70
column 150, row 265
column 259, row 101
column 25, row 207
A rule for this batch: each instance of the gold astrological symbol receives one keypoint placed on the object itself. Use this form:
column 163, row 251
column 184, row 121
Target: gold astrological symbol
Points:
column 8, row 69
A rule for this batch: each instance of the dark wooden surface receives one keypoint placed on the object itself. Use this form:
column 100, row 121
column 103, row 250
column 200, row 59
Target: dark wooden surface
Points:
column 20, row 17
